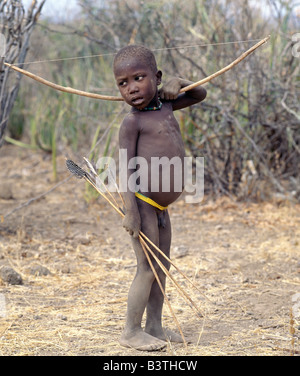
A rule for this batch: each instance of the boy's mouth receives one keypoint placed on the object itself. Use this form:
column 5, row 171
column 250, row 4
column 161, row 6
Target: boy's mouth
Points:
column 137, row 101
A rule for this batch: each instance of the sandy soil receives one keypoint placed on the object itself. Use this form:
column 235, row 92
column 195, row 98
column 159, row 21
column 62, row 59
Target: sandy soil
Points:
column 243, row 257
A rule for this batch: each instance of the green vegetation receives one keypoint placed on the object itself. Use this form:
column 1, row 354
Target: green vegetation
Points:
column 242, row 122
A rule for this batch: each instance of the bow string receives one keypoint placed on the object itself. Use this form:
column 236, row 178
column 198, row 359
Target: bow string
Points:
column 71, row 90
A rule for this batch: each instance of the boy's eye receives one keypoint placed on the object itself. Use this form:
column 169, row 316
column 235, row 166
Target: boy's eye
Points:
column 139, row 78
column 122, row 83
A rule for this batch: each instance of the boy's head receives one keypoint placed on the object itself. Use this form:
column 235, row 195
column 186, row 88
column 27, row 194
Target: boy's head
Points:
column 139, row 53
column 137, row 76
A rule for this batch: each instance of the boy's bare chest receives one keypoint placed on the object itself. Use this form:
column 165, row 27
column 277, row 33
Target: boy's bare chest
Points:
column 161, row 125
column 160, row 135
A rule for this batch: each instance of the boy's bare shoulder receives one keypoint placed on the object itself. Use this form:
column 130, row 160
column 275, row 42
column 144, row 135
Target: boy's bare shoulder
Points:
column 130, row 119
column 130, row 124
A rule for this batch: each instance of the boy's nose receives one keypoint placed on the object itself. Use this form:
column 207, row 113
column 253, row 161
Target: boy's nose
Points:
column 133, row 88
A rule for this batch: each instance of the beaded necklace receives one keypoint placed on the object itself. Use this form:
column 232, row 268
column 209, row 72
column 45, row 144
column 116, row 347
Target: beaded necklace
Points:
column 154, row 108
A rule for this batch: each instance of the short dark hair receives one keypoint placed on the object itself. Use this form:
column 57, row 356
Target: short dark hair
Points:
column 141, row 53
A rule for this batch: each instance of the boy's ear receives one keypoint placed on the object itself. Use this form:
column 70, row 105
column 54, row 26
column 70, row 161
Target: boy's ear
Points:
column 158, row 77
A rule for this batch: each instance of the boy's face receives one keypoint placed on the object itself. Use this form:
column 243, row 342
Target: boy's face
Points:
column 137, row 82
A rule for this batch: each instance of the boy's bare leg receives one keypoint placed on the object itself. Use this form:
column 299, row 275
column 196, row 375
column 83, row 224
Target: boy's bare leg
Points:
column 156, row 297
column 133, row 335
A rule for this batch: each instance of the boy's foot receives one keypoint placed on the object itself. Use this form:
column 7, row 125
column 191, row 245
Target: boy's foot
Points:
column 142, row 341
column 166, row 335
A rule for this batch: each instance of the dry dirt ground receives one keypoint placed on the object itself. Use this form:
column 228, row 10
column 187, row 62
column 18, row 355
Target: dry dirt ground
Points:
column 243, row 257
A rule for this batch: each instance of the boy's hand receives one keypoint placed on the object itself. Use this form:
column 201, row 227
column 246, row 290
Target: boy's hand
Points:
column 170, row 92
column 132, row 224
column 171, row 89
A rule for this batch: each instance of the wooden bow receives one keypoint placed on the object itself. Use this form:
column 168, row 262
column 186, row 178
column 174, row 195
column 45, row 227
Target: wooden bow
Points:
column 112, row 98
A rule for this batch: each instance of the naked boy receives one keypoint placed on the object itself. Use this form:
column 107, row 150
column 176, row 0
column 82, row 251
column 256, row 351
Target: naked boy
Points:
column 149, row 130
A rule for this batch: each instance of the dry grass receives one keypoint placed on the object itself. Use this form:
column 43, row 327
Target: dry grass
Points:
column 243, row 257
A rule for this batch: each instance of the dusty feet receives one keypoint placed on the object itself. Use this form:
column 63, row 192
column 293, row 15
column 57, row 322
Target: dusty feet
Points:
column 142, row 341
column 166, row 335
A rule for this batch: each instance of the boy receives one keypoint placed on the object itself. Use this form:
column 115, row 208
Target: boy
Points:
column 149, row 130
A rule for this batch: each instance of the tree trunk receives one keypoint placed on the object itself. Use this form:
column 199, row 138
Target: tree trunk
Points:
column 16, row 27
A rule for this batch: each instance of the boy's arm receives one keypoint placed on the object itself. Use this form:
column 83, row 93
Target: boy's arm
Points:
column 170, row 92
column 128, row 136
